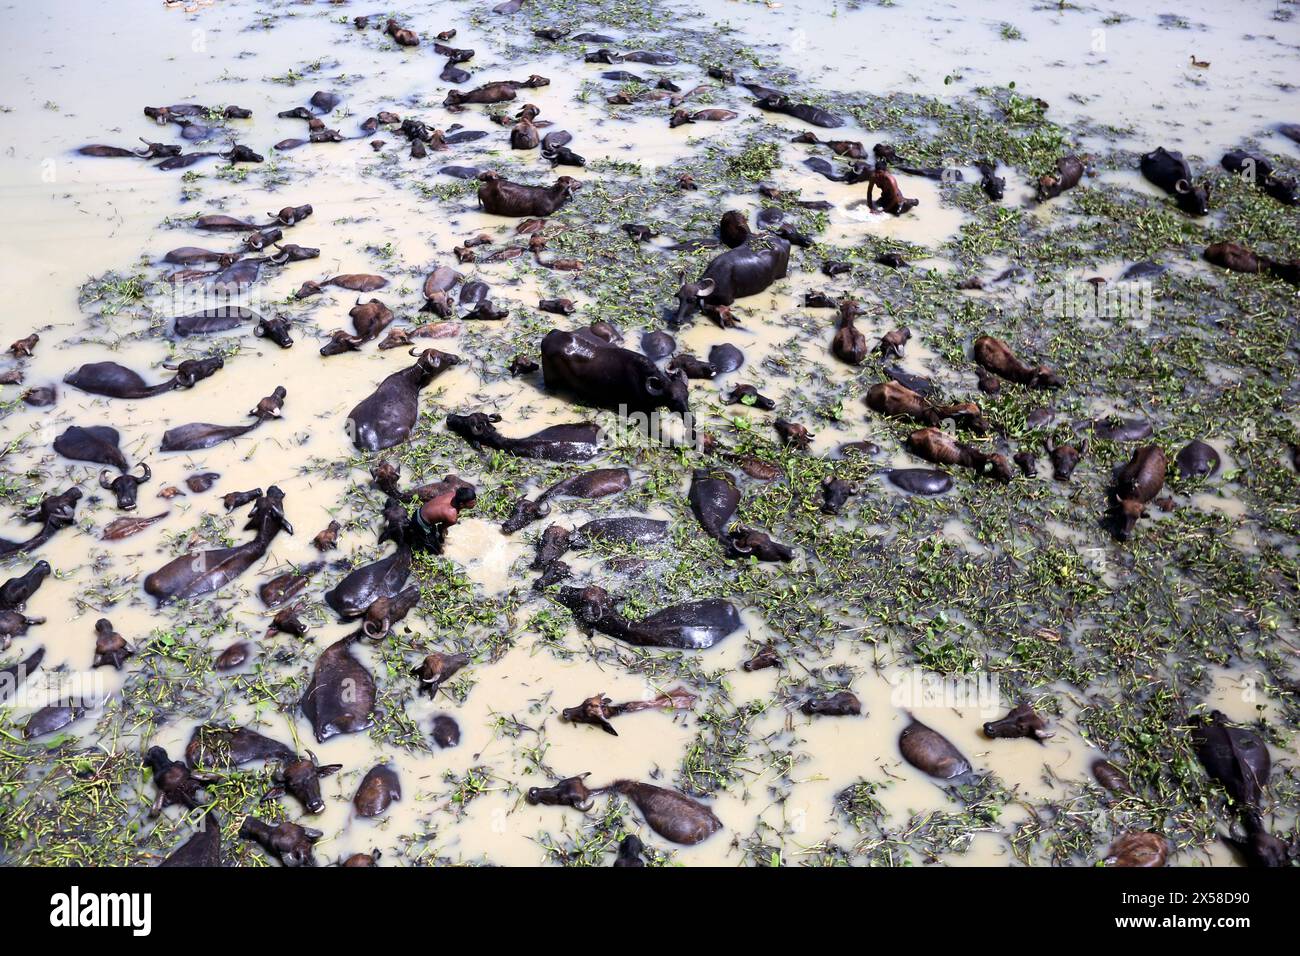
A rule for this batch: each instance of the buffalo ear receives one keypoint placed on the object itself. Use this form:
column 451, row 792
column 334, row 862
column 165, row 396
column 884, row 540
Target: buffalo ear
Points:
column 654, row 385
column 328, row 769
column 705, row 288
column 272, row 794
column 311, row 833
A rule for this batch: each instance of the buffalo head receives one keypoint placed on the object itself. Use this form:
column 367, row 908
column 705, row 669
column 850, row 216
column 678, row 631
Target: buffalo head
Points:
column 691, row 296
column 474, row 428
column 1193, row 199
column 301, row 779
column 125, row 487
column 192, row 371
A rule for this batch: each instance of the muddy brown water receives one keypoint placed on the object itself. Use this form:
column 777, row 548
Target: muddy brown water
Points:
column 82, row 72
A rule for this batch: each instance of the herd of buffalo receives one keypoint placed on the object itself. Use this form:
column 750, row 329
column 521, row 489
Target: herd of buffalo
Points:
column 590, row 365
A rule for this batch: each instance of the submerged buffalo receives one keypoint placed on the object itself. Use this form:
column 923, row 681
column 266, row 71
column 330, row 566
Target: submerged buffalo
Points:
column 218, row 747
column 609, row 376
column 341, row 696
column 743, row 271
column 1137, row 483
column 1236, row 757
column 579, row 441
column 16, row 591
column 386, row 416
column 192, row 575
column 930, row 751
column 116, row 381
column 1170, row 172
column 504, row 198
column 694, row 625
column 598, row 483
column 96, row 443
column 289, row 843
column 54, row 513
column 997, row 357
column 672, row 815
column 198, row 435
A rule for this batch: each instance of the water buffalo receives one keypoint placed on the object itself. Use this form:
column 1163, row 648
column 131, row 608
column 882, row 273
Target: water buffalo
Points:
column 849, row 344
column 609, row 376
column 599, row 483
column 629, row 852
column 672, row 815
column 379, row 789
column 569, row 792
column 1260, row 848
column 899, row 401
column 842, row 703
column 714, row 499
column 1260, row 173
column 436, row 286
column 116, row 381
column 368, row 319
column 340, row 699
column 836, row 493
column 504, row 198
column 1065, row 457
column 111, row 648
column 13, row 676
column 996, row 356
column 222, row 747
column 1136, row 484
column 1022, row 721
column 694, row 625
column 192, row 575
column 1170, row 172
column 55, row 512
column 1236, row 757
column 15, row 624
column 1117, row 428
column 288, row 842
column 556, row 541
column 199, row 435
column 176, row 783
column 745, row 270
column 203, row 849
column 598, row 710
column 385, row 578
column 776, row 102
column 1069, row 170
column 930, row 751
column 1197, row 459
column 300, row 778
column 937, row 446
column 579, row 441
column 209, row 321
column 15, row 592
column 385, row 417
column 125, row 487
column 1138, row 849
column 994, row 186
column 436, row 669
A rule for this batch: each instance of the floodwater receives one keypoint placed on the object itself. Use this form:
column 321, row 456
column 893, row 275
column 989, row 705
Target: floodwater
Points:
column 79, row 73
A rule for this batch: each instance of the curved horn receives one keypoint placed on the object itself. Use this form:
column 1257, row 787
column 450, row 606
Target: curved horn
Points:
column 103, row 482
column 145, row 472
